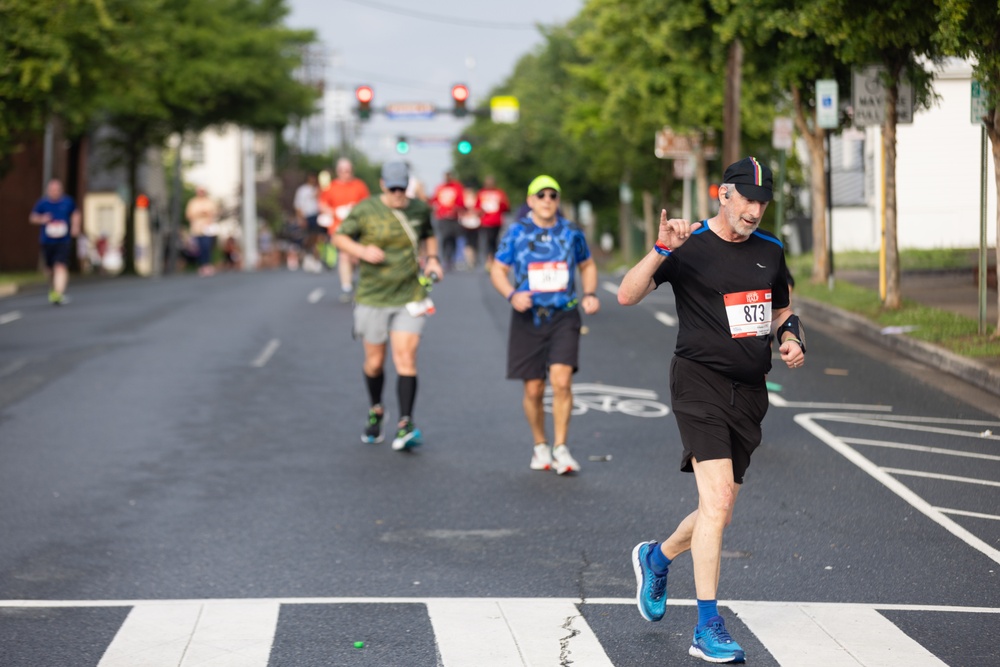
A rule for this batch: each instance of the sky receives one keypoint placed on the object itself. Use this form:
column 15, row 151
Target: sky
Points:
column 415, row 52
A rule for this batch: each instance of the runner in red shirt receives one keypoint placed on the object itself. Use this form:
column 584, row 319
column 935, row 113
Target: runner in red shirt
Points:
column 336, row 201
column 448, row 204
column 491, row 204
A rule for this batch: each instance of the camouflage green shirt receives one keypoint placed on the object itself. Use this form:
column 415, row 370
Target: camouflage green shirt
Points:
column 394, row 282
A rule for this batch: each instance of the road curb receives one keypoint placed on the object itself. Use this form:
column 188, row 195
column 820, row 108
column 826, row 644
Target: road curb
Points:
column 970, row 371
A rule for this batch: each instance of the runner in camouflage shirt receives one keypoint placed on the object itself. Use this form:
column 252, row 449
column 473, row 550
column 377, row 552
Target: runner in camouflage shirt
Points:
column 387, row 232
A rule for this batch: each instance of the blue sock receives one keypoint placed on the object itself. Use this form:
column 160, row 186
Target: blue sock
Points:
column 707, row 610
column 657, row 561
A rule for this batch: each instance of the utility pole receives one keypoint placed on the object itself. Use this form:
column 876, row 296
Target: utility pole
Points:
column 731, row 104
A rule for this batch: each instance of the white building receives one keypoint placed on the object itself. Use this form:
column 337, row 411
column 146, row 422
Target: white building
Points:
column 213, row 160
column 938, row 160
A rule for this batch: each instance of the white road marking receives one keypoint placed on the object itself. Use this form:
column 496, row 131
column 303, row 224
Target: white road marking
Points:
column 194, row 634
column 501, row 632
column 665, row 318
column 13, row 367
column 916, row 424
column 610, row 287
column 920, row 448
column 266, row 354
column 12, row 316
column 591, row 387
column 974, row 515
column 936, row 475
column 315, row 295
column 514, row 632
column 779, row 402
column 808, row 422
column 817, row 635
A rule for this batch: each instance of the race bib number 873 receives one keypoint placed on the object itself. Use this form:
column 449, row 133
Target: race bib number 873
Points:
column 749, row 313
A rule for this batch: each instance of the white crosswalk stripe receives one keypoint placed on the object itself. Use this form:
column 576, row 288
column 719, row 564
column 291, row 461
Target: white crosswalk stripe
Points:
column 501, row 632
column 842, row 636
column 226, row 634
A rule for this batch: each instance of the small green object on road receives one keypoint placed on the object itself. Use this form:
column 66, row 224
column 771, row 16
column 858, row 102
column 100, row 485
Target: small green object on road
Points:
column 359, row 644
column 773, row 386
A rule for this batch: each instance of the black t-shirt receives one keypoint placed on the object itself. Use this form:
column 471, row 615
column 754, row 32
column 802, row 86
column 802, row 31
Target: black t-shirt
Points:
column 721, row 290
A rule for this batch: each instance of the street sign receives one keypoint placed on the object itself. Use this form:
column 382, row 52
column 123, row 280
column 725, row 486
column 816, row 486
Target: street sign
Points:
column 684, row 169
column 827, row 104
column 409, row 111
column 670, row 146
column 781, row 136
column 980, row 103
column 505, row 109
column 868, row 98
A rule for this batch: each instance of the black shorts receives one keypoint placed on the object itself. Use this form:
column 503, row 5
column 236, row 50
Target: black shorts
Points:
column 717, row 417
column 57, row 253
column 492, row 235
column 471, row 238
column 531, row 350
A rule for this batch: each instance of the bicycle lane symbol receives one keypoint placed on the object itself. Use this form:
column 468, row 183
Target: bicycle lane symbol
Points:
column 609, row 399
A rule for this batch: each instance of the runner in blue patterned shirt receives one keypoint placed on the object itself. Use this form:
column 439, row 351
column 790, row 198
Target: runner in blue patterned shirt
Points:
column 543, row 251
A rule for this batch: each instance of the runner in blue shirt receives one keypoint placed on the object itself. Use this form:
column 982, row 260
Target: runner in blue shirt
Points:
column 535, row 269
column 59, row 220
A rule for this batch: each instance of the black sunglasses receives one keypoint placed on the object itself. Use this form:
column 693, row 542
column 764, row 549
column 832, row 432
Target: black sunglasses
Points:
column 550, row 194
column 396, row 190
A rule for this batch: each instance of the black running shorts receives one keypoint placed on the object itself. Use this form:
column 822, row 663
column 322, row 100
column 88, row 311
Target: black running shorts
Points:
column 717, row 417
column 531, row 350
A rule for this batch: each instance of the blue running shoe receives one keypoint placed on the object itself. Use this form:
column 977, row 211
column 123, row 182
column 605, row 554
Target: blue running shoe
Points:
column 651, row 590
column 713, row 643
column 407, row 437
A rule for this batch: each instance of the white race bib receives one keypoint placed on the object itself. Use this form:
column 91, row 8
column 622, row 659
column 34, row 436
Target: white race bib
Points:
column 324, row 220
column 56, row 230
column 342, row 211
column 548, row 276
column 749, row 313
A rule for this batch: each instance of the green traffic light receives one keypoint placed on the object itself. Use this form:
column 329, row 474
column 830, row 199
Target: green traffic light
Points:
column 464, row 147
column 402, row 147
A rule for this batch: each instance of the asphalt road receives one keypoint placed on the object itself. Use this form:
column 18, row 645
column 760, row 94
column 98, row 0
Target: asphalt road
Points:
column 198, row 441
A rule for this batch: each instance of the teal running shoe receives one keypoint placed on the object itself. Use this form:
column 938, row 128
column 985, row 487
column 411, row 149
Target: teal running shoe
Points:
column 713, row 643
column 407, row 437
column 651, row 589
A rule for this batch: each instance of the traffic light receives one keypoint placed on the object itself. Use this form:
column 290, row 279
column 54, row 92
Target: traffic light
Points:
column 460, row 95
column 464, row 147
column 365, row 95
column 402, row 145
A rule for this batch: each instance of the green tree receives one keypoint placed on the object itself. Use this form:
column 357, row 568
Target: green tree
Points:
column 969, row 30
column 784, row 48
column 54, row 54
column 898, row 35
column 196, row 63
column 514, row 154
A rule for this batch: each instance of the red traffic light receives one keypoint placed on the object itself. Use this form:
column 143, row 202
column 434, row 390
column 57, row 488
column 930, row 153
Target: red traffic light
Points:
column 142, row 201
column 460, row 92
column 713, row 191
column 365, row 94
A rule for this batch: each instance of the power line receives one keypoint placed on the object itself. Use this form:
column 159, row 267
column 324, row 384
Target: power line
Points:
column 405, row 83
column 439, row 18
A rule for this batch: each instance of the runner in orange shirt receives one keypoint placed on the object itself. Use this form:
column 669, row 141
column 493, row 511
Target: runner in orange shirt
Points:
column 336, row 201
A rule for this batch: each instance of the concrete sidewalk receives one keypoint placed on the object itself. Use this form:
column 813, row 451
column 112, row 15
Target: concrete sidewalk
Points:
column 955, row 291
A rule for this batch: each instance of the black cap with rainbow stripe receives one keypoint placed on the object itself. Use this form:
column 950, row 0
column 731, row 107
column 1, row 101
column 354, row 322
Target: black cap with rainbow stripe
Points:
column 752, row 179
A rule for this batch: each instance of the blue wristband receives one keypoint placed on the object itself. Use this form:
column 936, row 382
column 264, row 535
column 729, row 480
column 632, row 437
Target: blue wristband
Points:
column 511, row 295
column 662, row 249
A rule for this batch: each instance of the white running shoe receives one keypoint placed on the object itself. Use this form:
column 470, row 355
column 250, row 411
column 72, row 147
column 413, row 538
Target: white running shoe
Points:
column 541, row 459
column 563, row 461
